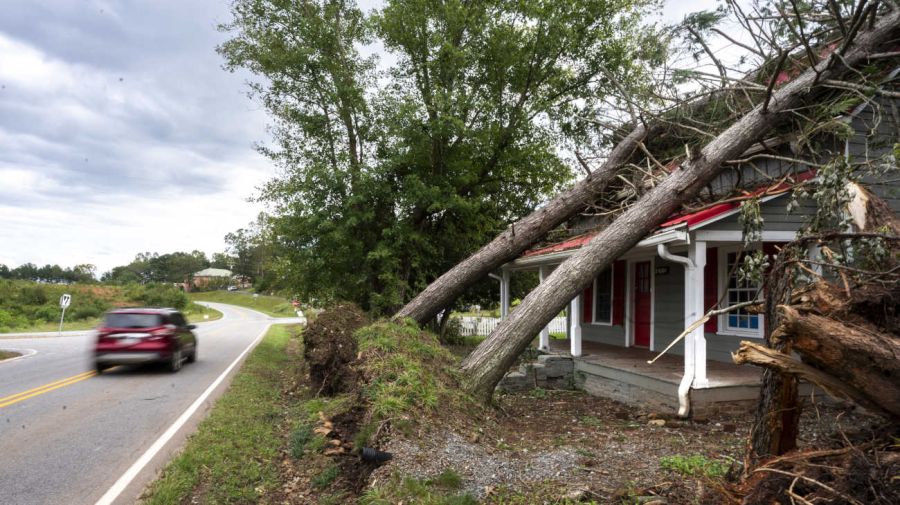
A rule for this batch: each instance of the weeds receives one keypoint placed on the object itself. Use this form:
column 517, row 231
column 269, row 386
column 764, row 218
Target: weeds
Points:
column 695, row 465
column 327, row 476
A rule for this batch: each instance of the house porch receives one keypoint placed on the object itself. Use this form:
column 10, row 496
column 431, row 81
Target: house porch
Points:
column 622, row 373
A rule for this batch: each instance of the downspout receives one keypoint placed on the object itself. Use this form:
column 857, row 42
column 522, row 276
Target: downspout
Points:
column 684, row 403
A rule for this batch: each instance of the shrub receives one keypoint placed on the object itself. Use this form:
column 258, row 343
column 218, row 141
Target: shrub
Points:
column 159, row 295
column 85, row 312
column 33, row 295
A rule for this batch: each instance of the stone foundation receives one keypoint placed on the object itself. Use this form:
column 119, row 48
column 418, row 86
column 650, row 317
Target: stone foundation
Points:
column 549, row 372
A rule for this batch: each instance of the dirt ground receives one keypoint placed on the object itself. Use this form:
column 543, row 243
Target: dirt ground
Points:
column 557, row 446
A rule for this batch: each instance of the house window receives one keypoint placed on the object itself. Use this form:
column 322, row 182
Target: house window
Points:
column 737, row 291
column 603, row 288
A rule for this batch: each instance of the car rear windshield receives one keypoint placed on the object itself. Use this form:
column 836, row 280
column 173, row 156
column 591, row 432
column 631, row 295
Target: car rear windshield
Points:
column 132, row 320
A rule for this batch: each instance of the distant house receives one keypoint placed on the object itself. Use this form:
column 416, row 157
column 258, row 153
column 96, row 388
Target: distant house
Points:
column 217, row 277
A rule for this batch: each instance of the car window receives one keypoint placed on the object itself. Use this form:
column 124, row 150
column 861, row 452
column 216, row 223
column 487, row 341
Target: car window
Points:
column 132, row 320
column 178, row 319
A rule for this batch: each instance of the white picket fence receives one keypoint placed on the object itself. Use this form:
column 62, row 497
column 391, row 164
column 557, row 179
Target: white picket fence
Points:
column 469, row 325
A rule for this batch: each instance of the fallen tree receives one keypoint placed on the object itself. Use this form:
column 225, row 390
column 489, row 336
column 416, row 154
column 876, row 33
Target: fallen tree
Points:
column 488, row 363
column 522, row 234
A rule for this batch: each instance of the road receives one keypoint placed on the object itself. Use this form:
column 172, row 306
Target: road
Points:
column 68, row 435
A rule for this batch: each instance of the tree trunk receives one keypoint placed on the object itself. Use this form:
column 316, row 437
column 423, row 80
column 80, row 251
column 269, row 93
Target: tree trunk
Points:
column 520, row 235
column 861, row 357
column 486, row 365
column 755, row 354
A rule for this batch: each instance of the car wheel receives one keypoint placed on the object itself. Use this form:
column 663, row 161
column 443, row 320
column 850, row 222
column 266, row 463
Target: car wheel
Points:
column 176, row 360
column 100, row 367
column 192, row 357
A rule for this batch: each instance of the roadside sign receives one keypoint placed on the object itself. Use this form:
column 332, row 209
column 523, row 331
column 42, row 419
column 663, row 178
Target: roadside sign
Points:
column 64, row 302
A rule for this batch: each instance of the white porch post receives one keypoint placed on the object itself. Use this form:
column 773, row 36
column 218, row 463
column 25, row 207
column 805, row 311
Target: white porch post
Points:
column 814, row 252
column 544, row 340
column 694, row 293
column 504, row 294
column 575, row 332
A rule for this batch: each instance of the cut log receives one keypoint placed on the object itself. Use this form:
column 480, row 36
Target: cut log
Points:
column 759, row 355
column 522, row 234
column 486, row 365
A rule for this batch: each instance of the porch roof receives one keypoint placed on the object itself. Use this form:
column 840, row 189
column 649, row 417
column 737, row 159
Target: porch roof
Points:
column 692, row 219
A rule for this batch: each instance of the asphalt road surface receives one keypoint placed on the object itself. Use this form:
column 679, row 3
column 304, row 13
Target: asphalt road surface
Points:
column 69, row 436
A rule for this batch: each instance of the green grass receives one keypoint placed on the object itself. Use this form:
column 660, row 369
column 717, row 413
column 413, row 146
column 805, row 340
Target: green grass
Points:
column 195, row 313
column 274, row 306
column 84, row 324
column 7, row 354
column 442, row 490
column 407, row 370
column 234, row 455
column 695, row 465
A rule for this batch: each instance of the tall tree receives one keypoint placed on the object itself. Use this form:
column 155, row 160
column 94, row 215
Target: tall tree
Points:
column 391, row 175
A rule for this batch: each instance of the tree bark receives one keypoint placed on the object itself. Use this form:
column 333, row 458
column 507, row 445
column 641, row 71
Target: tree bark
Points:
column 520, row 235
column 861, row 357
column 755, row 354
column 486, row 365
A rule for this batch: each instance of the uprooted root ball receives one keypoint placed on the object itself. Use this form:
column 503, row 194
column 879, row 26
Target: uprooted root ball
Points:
column 330, row 348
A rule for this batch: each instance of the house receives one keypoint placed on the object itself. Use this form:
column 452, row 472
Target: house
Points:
column 636, row 308
column 211, row 278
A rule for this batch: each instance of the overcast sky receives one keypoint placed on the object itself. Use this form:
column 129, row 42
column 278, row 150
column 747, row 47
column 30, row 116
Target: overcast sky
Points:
column 120, row 132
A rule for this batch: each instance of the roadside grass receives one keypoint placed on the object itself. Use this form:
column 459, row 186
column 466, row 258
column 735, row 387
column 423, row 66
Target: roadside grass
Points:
column 196, row 313
column 27, row 306
column 7, row 355
column 274, row 306
column 234, row 455
column 442, row 490
column 45, row 326
column 193, row 312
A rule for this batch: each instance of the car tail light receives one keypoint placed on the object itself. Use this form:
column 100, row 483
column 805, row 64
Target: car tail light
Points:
column 161, row 333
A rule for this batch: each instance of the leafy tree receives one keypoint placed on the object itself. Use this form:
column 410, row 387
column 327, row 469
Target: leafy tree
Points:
column 154, row 267
column 390, row 176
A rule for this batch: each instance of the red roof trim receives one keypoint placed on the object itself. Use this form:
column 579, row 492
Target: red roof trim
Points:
column 572, row 243
column 692, row 219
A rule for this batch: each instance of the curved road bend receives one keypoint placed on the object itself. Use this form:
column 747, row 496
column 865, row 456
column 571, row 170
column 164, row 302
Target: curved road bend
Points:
column 68, row 435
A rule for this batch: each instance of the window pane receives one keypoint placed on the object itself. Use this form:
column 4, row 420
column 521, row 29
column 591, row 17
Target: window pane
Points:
column 739, row 291
column 603, row 297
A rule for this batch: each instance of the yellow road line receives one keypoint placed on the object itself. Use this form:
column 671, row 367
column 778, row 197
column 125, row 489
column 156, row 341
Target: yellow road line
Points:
column 24, row 395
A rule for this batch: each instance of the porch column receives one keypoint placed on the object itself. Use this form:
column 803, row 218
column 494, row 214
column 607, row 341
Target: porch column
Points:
column 504, row 294
column 814, row 252
column 544, row 340
column 575, row 331
column 697, row 255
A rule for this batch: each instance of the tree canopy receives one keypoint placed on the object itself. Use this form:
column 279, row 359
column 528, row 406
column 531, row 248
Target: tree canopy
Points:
column 391, row 171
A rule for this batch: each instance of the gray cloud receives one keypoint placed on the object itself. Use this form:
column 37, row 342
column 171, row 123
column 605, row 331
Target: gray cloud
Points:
column 120, row 114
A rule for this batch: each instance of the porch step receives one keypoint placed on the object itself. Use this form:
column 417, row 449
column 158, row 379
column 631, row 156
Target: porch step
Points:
column 659, row 386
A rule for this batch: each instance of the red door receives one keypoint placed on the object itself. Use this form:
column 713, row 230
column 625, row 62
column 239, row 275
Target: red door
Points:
column 642, row 304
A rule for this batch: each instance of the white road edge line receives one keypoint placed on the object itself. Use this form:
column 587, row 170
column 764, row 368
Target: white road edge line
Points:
column 110, row 496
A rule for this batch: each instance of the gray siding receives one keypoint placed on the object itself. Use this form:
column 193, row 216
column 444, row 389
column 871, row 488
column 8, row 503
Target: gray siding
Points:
column 720, row 347
column 753, row 174
column 613, row 335
column 775, row 215
column 668, row 311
